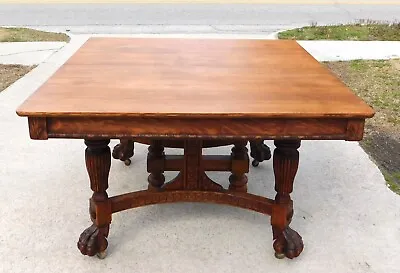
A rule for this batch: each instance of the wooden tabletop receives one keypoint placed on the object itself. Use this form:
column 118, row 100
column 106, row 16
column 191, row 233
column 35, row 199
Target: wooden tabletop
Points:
column 193, row 77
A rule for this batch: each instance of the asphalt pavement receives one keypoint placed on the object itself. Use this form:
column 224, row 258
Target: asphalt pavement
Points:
column 187, row 18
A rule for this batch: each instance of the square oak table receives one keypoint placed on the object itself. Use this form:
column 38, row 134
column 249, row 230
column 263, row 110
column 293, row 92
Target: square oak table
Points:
column 194, row 91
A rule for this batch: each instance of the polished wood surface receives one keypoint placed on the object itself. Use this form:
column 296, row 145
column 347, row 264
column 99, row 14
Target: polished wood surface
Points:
column 194, row 94
column 257, row 128
column 191, row 77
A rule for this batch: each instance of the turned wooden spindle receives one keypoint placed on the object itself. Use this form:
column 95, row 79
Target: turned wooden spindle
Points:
column 155, row 165
column 240, row 166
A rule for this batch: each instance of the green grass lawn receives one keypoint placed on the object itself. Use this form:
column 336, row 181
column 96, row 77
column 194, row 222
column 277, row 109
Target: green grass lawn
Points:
column 353, row 32
column 378, row 83
column 30, row 35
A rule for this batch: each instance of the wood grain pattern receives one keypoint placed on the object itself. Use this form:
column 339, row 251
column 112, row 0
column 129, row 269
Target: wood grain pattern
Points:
column 191, row 166
column 155, row 165
column 240, row 166
column 237, row 199
column 285, row 162
column 196, row 78
column 210, row 163
column 37, row 128
column 79, row 127
column 355, row 129
column 93, row 240
column 179, row 143
column 98, row 163
column 287, row 242
column 194, row 93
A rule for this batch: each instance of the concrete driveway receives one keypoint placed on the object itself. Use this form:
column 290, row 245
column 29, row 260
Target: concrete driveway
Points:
column 349, row 219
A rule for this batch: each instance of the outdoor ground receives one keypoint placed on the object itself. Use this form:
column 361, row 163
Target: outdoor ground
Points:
column 30, row 35
column 360, row 31
column 10, row 73
column 378, row 83
column 347, row 227
column 211, row 1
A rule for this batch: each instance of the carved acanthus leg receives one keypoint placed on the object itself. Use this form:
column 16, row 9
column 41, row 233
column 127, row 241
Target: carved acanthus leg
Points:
column 124, row 151
column 240, row 166
column 98, row 162
column 155, row 165
column 259, row 152
column 286, row 160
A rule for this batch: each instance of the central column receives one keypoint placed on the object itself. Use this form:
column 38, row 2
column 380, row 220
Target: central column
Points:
column 192, row 164
column 192, row 176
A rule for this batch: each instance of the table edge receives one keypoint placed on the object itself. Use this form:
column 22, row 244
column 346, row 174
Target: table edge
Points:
column 245, row 128
column 366, row 114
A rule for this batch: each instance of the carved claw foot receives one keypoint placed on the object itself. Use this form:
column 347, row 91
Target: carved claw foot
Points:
column 124, row 151
column 255, row 163
column 93, row 241
column 288, row 243
column 259, row 152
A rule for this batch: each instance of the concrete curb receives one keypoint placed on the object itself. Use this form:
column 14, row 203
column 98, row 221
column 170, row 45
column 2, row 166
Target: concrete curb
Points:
column 352, row 50
column 41, row 73
column 28, row 53
column 31, row 53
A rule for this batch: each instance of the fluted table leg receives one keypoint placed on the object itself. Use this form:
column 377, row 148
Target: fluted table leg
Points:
column 286, row 160
column 93, row 240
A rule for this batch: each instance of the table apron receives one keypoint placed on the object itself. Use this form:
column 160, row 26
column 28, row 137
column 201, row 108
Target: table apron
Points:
column 223, row 128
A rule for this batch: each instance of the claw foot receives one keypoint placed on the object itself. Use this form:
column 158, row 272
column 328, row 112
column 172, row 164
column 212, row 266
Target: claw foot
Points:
column 259, row 152
column 124, row 151
column 102, row 254
column 127, row 162
column 288, row 243
column 255, row 163
column 93, row 241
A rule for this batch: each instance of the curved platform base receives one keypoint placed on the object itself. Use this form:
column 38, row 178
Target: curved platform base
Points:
column 236, row 199
column 192, row 185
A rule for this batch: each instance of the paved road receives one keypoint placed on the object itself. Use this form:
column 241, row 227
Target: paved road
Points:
column 331, row 2
column 186, row 18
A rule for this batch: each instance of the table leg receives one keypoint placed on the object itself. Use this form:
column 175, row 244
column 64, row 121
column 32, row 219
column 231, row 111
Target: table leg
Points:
column 259, row 152
column 98, row 162
column 286, row 160
column 124, row 151
column 155, row 165
column 240, row 166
